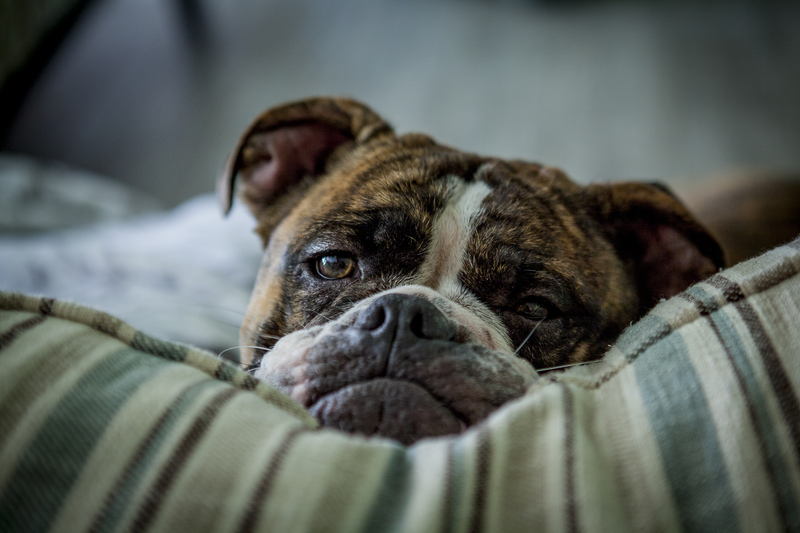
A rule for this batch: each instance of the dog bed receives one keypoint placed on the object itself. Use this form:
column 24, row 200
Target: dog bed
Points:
column 691, row 422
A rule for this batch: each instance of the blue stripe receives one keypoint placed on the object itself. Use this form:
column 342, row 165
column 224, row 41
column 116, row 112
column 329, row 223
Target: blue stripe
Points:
column 637, row 338
column 756, row 398
column 698, row 294
column 684, row 430
column 777, row 467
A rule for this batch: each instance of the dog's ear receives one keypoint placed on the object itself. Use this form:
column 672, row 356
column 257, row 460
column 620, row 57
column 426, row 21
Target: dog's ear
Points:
column 663, row 245
column 292, row 141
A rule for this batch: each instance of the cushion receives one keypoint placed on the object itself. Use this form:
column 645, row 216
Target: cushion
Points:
column 690, row 422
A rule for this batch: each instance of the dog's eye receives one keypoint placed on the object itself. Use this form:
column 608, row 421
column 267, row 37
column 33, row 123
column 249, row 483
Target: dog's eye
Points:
column 532, row 310
column 335, row 266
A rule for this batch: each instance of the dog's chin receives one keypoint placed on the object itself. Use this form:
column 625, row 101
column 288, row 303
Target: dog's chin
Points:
column 398, row 410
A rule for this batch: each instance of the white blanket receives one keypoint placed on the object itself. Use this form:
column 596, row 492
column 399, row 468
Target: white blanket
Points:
column 184, row 275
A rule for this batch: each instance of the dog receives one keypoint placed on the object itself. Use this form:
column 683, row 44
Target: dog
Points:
column 409, row 289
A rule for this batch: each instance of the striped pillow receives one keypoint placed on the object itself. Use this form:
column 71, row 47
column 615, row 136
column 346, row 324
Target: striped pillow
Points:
column 691, row 422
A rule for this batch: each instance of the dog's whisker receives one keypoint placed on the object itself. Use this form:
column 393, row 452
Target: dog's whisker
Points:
column 225, row 323
column 529, row 336
column 323, row 316
column 565, row 366
column 213, row 308
column 295, row 324
column 219, row 355
column 192, row 308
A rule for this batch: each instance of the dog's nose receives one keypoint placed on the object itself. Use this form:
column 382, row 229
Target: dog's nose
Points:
column 404, row 319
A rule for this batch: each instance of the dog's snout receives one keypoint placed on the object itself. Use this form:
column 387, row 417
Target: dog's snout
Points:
column 406, row 319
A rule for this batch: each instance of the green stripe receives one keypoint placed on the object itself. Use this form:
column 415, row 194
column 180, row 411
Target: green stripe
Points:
column 482, row 460
column 454, row 481
column 225, row 371
column 10, row 334
column 153, row 346
column 179, row 456
column 266, row 483
column 47, row 470
column 119, row 498
column 684, row 429
column 387, row 508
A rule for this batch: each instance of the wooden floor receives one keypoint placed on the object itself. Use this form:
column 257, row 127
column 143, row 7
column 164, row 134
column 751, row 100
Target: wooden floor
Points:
column 604, row 90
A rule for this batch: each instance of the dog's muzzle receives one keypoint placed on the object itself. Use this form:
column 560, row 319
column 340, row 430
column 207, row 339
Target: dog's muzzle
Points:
column 404, row 370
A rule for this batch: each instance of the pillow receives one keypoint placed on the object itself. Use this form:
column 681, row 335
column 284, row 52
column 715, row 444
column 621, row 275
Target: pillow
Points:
column 691, row 421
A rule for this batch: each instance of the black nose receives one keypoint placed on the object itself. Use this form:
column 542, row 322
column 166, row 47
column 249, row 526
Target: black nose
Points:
column 403, row 320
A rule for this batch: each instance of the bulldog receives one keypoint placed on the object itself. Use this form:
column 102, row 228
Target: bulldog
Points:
column 409, row 289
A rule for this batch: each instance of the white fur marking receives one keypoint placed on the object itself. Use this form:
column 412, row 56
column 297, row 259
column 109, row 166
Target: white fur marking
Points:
column 451, row 234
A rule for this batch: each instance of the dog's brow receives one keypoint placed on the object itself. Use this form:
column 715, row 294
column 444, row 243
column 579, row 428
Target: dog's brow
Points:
column 532, row 266
column 325, row 242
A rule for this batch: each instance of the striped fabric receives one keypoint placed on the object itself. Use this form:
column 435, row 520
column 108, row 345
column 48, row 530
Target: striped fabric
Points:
column 690, row 423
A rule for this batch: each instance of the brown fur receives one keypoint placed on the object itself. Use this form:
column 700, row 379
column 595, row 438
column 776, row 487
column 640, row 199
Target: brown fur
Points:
column 328, row 175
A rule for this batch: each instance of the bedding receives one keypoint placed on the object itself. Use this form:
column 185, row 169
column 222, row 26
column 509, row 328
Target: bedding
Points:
column 689, row 423
column 183, row 274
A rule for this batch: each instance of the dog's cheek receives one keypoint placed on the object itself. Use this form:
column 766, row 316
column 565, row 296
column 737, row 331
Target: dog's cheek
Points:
column 278, row 373
column 285, row 367
column 525, row 370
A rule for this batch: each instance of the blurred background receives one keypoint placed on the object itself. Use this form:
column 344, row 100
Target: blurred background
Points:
column 113, row 108
column 154, row 93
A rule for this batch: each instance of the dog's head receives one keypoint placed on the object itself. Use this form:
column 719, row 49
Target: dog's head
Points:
column 408, row 289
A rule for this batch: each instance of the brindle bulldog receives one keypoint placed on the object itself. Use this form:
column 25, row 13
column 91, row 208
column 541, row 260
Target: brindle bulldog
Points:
column 409, row 289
